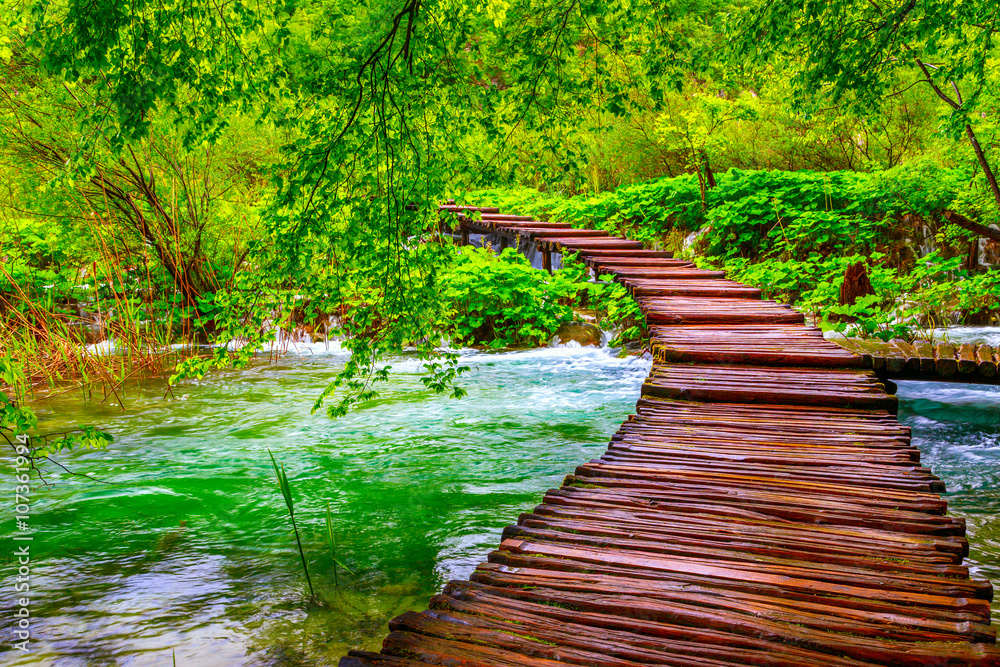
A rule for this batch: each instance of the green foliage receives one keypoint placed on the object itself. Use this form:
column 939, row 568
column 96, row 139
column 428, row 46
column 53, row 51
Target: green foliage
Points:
column 793, row 235
column 381, row 109
column 500, row 301
column 874, row 42
column 18, row 421
column 946, row 47
column 234, row 165
column 761, row 213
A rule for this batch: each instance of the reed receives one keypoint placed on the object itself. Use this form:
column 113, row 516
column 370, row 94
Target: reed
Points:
column 50, row 341
column 286, row 491
column 333, row 542
column 333, row 545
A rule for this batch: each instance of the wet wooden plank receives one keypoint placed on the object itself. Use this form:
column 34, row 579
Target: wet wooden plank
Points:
column 646, row 273
column 692, row 286
column 684, row 310
column 923, row 361
column 599, row 262
column 672, row 644
column 606, row 243
column 945, row 362
column 624, row 254
column 986, row 367
column 967, row 362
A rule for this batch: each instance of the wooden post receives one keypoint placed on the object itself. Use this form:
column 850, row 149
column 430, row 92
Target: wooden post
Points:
column 464, row 231
column 546, row 259
column 504, row 242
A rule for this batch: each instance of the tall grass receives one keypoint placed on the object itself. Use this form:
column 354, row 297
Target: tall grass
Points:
column 286, row 491
column 333, row 543
column 122, row 324
column 50, row 341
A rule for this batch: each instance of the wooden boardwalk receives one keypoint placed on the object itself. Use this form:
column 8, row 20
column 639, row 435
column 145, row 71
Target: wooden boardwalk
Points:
column 762, row 507
column 921, row 360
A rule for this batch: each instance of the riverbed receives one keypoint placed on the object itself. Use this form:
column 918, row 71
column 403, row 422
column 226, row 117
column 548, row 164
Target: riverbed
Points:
column 184, row 548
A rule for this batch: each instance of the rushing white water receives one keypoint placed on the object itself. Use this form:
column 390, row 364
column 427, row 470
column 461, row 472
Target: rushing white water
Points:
column 957, row 428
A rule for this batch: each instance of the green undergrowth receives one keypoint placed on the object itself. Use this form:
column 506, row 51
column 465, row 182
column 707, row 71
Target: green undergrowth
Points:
column 500, row 301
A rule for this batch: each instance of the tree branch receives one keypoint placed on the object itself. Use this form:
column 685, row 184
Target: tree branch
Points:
column 975, row 227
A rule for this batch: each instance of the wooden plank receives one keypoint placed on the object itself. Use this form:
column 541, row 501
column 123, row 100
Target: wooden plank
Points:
column 925, row 350
column 945, row 361
column 910, row 354
column 886, row 652
column 986, row 366
column 674, row 273
column 967, row 362
column 624, row 253
column 452, row 208
column 600, row 262
column 606, row 243
column 690, row 287
column 519, row 227
column 676, row 642
column 542, row 233
column 505, row 217
column 679, row 310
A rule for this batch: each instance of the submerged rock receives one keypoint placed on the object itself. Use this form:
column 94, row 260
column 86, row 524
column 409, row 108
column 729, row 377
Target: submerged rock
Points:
column 580, row 332
column 634, row 348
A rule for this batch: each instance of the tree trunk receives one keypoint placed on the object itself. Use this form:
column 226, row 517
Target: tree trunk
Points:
column 709, row 175
column 856, row 284
column 973, row 255
column 981, row 157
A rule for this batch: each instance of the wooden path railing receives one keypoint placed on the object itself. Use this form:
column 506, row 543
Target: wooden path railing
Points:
column 762, row 507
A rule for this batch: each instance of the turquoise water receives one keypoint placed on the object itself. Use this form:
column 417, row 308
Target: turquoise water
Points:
column 957, row 428
column 189, row 550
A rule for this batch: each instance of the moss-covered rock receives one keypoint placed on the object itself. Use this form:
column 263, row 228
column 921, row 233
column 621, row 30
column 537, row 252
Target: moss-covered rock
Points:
column 580, row 332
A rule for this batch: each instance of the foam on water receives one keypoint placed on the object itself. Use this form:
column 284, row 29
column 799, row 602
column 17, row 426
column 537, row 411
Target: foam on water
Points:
column 957, row 334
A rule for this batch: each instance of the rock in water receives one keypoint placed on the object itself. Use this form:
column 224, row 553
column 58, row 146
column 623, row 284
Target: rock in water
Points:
column 581, row 332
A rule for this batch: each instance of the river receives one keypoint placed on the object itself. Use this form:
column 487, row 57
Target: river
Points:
column 187, row 550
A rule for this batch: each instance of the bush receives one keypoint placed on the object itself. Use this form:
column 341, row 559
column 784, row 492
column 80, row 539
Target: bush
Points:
column 501, row 301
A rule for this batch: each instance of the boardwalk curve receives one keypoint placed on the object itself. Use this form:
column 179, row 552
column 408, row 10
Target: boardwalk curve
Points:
column 762, row 507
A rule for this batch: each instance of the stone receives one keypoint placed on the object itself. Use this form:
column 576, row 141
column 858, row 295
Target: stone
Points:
column 580, row 332
column 633, row 348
